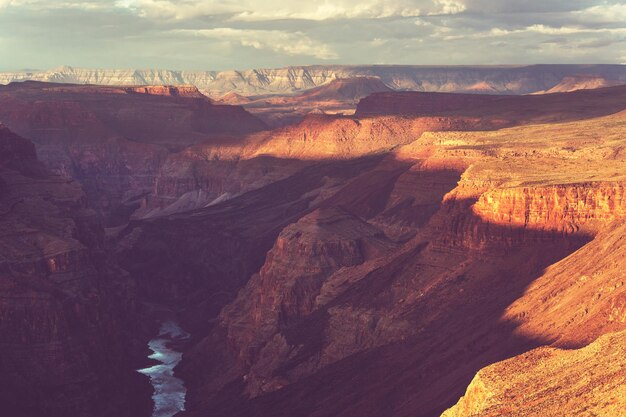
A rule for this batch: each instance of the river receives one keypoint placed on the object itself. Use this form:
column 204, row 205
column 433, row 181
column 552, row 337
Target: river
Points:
column 169, row 391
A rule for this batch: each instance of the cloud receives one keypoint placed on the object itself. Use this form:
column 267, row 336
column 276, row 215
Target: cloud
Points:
column 604, row 13
column 58, row 5
column 290, row 43
column 449, row 7
column 254, row 10
column 527, row 6
column 7, row 3
column 227, row 34
column 539, row 29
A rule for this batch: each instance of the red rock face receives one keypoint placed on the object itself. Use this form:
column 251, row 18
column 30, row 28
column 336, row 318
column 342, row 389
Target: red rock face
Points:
column 303, row 258
column 67, row 312
column 368, row 266
column 172, row 116
column 496, row 238
column 578, row 305
column 114, row 140
column 128, row 145
column 562, row 208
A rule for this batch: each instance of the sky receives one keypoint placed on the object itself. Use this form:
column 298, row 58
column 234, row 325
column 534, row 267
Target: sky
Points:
column 243, row 34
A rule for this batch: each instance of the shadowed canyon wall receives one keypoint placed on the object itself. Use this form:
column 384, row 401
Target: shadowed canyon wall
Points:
column 356, row 266
column 67, row 312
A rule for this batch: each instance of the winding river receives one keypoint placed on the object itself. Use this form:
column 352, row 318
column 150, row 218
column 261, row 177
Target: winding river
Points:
column 169, row 391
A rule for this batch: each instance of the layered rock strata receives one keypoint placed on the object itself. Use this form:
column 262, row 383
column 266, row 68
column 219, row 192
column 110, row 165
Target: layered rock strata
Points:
column 67, row 312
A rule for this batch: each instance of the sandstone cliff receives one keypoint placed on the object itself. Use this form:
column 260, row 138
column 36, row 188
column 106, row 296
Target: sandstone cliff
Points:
column 469, row 211
column 115, row 139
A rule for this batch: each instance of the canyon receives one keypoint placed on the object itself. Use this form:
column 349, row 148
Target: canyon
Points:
column 396, row 253
column 67, row 328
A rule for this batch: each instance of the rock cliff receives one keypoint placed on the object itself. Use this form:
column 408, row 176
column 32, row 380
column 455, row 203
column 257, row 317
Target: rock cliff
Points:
column 66, row 334
column 413, row 324
column 115, row 139
column 548, row 381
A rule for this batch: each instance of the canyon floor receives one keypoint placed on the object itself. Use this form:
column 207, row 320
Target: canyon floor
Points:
column 423, row 254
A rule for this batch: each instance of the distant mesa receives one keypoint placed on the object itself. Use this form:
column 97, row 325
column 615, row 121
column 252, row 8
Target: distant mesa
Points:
column 283, row 96
column 234, row 99
column 290, row 80
column 346, row 89
column 167, row 90
column 582, row 82
column 596, row 101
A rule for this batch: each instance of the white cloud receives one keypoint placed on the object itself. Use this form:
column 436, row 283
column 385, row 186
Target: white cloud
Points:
column 59, row 5
column 449, row 7
column 605, row 13
column 290, row 43
column 541, row 30
column 7, row 3
column 254, row 33
column 254, row 10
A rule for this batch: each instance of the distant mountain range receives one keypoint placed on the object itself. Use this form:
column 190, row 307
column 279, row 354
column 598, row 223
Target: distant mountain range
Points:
column 479, row 79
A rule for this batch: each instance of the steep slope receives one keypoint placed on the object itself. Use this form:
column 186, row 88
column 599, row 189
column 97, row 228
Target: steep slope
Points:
column 345, row 266
column 582, row 82
column 303, row 257
column 67, row 334
column 577, row 301
column 482, row 79
column 402, row 333
column 548, row 381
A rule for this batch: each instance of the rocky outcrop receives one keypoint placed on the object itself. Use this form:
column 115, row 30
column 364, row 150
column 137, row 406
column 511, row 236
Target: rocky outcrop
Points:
column 115, row 139
column 166, row 90
column 324, row 137
column 303, row 258
column 205, row 256
column 422, row 104
column 284, row 96
column 564, row 207
column 548, row 381
column 348, row 266
column 66, row 334
column 166, row 115
column 579, row 298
